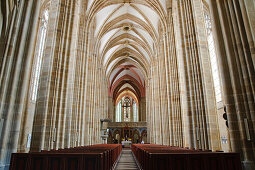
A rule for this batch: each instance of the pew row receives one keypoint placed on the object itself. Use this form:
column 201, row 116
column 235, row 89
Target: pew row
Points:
column 151, row 157
column 94, row 157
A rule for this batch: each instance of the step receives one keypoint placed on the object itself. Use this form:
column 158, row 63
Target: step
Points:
column 126, row 161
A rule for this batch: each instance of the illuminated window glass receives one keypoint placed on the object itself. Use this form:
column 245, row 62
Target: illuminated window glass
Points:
column 135, row 111
column 38, row 54
column 213, row 58
column 118, row 112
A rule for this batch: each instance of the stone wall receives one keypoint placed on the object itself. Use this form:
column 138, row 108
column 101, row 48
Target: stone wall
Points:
column 179, row 103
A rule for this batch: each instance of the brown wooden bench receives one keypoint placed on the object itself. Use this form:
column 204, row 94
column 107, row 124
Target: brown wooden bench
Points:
column 159, row 157
column 95, row 157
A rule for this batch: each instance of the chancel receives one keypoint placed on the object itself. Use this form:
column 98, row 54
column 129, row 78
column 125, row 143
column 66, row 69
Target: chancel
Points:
column 90, row 84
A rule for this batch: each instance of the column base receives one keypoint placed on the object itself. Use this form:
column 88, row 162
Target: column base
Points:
column 4, row 167
column 248, row 165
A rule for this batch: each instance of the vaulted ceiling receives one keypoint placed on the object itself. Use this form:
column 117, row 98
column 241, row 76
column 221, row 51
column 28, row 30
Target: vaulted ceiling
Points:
column 127, row 39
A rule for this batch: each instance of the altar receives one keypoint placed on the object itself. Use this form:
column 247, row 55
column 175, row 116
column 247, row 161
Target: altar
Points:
column 126, row 143
column 127, row 133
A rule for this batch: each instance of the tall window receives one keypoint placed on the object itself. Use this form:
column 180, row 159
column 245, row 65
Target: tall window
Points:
column 126, row 109
column 135, row 112
column 39, row 53
column 118, row 112
column 213, row 58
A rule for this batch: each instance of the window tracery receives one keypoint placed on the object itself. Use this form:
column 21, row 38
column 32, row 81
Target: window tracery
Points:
column 127, row 110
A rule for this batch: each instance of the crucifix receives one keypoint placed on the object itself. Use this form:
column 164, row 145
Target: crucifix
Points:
column 126, row 109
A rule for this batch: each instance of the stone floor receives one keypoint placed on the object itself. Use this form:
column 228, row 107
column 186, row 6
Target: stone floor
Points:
column 127, row 161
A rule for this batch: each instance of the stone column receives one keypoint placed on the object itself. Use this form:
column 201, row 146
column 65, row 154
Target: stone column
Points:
column 142, row 109
column 16, row 61
column 209, row 93
column 236, row 67
column 112, row 109
column 56, row 122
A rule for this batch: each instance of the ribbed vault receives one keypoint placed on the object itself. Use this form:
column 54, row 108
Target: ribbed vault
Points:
column 127, row 41
column 68, row 65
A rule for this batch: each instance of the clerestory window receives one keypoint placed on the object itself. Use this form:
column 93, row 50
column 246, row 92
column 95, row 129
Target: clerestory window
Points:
column 213, row 58
column 40, row 45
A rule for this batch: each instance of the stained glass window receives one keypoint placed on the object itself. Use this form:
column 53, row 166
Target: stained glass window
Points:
column 126, row 109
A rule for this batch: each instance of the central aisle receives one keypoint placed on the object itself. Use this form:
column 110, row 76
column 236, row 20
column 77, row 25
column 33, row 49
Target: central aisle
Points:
column 126, row 161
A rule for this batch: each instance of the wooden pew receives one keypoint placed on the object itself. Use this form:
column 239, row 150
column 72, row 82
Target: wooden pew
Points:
column 95, row 157
column 152, row 157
